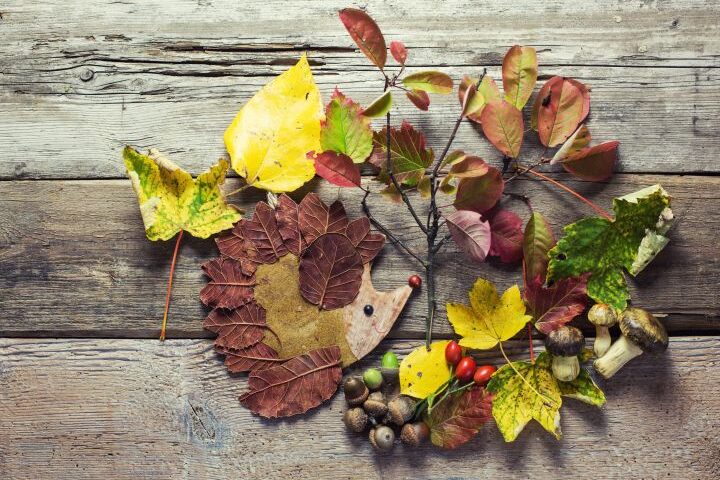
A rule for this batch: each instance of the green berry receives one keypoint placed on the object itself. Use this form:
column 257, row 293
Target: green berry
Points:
column 372, row 378
column 390, row 360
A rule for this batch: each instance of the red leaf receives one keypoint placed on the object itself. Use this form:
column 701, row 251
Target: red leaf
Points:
column 236, row 246
column 560, row 107
column 368, row 244
column 594, row 163
column 336, row 168
column 458, row 419
column 330, row 272
column 295, row 386
column 286, row 215
column 419, row 98
column 239, row 328
column 229, row 286
column 557, row 304
column 263, row 232
column 470, row 233
column 366, row 34
column 507, row 235
column 470, row 167
column 256, row 357
column 315, row 218
column 538, row 239
column 503, row 126
column 399, row 52
column 480, row 194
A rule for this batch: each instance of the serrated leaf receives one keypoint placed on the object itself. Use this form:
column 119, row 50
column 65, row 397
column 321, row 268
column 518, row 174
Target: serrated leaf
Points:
column 480, row 194
column 287, row 215
column 555, row 305
column 315, row 218
column 366, row 34
column 263, row 232
column 487, row 92
column 236, row 246
column 368, row 244
column 380, row 106
column 398, row 51
column 229, row 287
column 490, row 319
column 409, row 155
column 560, row 107
column 604, row 248
column 256, row 357
column 419, row 98
column 576, row 142
column 346, row 130
column 515, row 403
column 470, row 233
column 519, row 72
column 503, row 126
column 336, row 168
column 459, row 418
column 429, row 81
column 594, row 163
column 538, row 239
column 583, row 388
column 171, row 201
column 269, row 138
column 507, row 235
column 238, row 328
column 422, row 371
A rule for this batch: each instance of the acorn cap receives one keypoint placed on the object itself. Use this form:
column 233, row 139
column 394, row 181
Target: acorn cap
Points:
column 643, row 329
column 356, row 392
column 602, row 315
column 565, row 342
column 401, row 409
column 375, row 405
column 355, row 419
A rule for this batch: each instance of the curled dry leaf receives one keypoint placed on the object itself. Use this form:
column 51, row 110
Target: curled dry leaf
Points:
column 238, row 328
column 263, row 232
column 560, row 107
column 398, row 51
column 429, row 81
column 367, row 244
column 507, row 235
column 316, row 218
column 419, row 98
column 255, row 357
column 488, row 91
column 593, row 164
column 366, row 34
column 519, row 72
column 503, row 126
column 229, row 287
column 336, row 168
column 286, row 215
column 458, row 419
column 556, row 305
column 330, row 272
column 577, row 141
column 480, row 194
column 295, row 386
column 470, row 233
column 236, row 246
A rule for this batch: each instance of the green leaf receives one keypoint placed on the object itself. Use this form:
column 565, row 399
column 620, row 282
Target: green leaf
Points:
column 519, row 72
column 429, row 81
column 515, row 403
column 380, row 106
column 605, row 247
column 583, row 388
column 345, row 130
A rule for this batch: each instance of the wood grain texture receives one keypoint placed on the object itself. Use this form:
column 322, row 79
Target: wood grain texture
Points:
column 75, row 409
column 75, row 260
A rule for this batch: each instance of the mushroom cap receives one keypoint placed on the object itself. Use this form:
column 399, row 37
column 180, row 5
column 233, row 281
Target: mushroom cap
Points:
column 602, row 315
column 643, row 329
column 565, row 341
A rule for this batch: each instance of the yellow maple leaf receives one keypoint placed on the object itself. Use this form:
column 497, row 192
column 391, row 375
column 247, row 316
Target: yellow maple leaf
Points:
column 170, row 200
column 272, row 133
column 422, row 372
column 490, row 319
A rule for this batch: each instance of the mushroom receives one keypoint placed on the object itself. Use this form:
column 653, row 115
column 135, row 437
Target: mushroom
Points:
column 641, row 332
column 565, row 343
column 603, row 317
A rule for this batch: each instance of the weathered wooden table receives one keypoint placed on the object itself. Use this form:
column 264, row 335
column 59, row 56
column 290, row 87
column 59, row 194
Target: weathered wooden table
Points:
column 85, row 389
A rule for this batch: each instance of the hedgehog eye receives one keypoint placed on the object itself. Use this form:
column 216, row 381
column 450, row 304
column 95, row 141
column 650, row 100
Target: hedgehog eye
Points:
column 368, row 309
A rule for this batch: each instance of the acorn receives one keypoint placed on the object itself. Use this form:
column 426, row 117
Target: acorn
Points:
column 375, row 405
column 414, row 434
column 355, row 419
column 382, row 438
column 401, row 409
column 355, row 391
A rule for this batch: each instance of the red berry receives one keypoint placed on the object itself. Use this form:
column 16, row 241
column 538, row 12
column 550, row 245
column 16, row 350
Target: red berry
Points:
column 483, row 374
column 415, row 281
column 465, row 369
column 453, row 353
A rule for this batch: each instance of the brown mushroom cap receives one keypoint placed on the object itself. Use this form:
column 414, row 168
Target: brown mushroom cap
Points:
column 643, row 329
column 565, row 341
column 602, row 315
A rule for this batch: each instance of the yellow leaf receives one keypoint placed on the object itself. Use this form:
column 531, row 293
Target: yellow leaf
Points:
column 271, row 135
column 422, row 372
column 170, row 200
column 490, row 319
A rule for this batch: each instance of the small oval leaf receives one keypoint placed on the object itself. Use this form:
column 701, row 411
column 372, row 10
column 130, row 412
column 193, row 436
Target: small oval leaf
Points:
column 519, row 72
column 380, row 106
column 399, row 52
column 480, row 194
column 503, row 126
column 470, row 233
column 336, row 168
column 429, row 81
column 366, row 34
column 419, row 98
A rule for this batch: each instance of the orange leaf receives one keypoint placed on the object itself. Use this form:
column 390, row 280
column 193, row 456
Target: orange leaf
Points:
column 561, row 105
column 503, row 126
column 519, row 72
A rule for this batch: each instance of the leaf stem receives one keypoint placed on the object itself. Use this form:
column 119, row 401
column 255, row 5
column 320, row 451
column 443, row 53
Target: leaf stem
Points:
column 572, row 192
column 244, row 187
column 530, row 341
column 522, row 377
column 169, row 287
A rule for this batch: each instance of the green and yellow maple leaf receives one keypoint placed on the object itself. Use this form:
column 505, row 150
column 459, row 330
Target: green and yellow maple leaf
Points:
column 423, row 371
column 271, row 135
column 171, row 201
column 345, row 129
column 490, row 319
column 606, row 247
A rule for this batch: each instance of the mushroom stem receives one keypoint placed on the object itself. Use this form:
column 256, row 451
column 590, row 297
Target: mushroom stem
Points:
column 621, row 352
column 565, row 369
column 602, row 340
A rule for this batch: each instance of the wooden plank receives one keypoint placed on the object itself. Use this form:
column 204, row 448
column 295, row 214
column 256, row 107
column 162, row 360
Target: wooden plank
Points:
column 75, row 409
column 74, row 260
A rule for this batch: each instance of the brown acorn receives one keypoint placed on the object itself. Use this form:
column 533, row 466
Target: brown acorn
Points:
column 375, row 405
column 401, row 409
column 355, row 391
column 355, row 419
column 414, row 434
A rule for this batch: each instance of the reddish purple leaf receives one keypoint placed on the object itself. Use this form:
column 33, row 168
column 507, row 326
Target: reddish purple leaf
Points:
column 470, row 233
column 286, row 215
column 480, row 194
column 503, row 126
column 419, row 98
column 507, row 235
column 368, row 244
column 295, row 386
column 236, row 246
column 459, row 418
column 256, row 357
column 238, row 328
column 263, row 232
column 556, row 305
column 595, row 163
column 229, row 287
column 315, row 218
column 336, row 168
column 399, row 52
column 366, row 34
column 330, row 272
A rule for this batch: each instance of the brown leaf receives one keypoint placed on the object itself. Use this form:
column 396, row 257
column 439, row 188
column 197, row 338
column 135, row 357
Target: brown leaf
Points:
column 419, row 98
column 368, row 244
column 556, row 305
column 295, row 386
column 480, row 194
column 236, row 246
column 256, row 357
column 315, row 218
column 594, row 163
column 263, row 232
column 469, row 167
column 229, row 287
column 286, row 216
column 366, row 33
column 330, row 272
column 459, row 418
column 239, row 328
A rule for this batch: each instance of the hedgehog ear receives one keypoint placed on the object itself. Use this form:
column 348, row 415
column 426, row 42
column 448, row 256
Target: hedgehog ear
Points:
column 364, row 332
